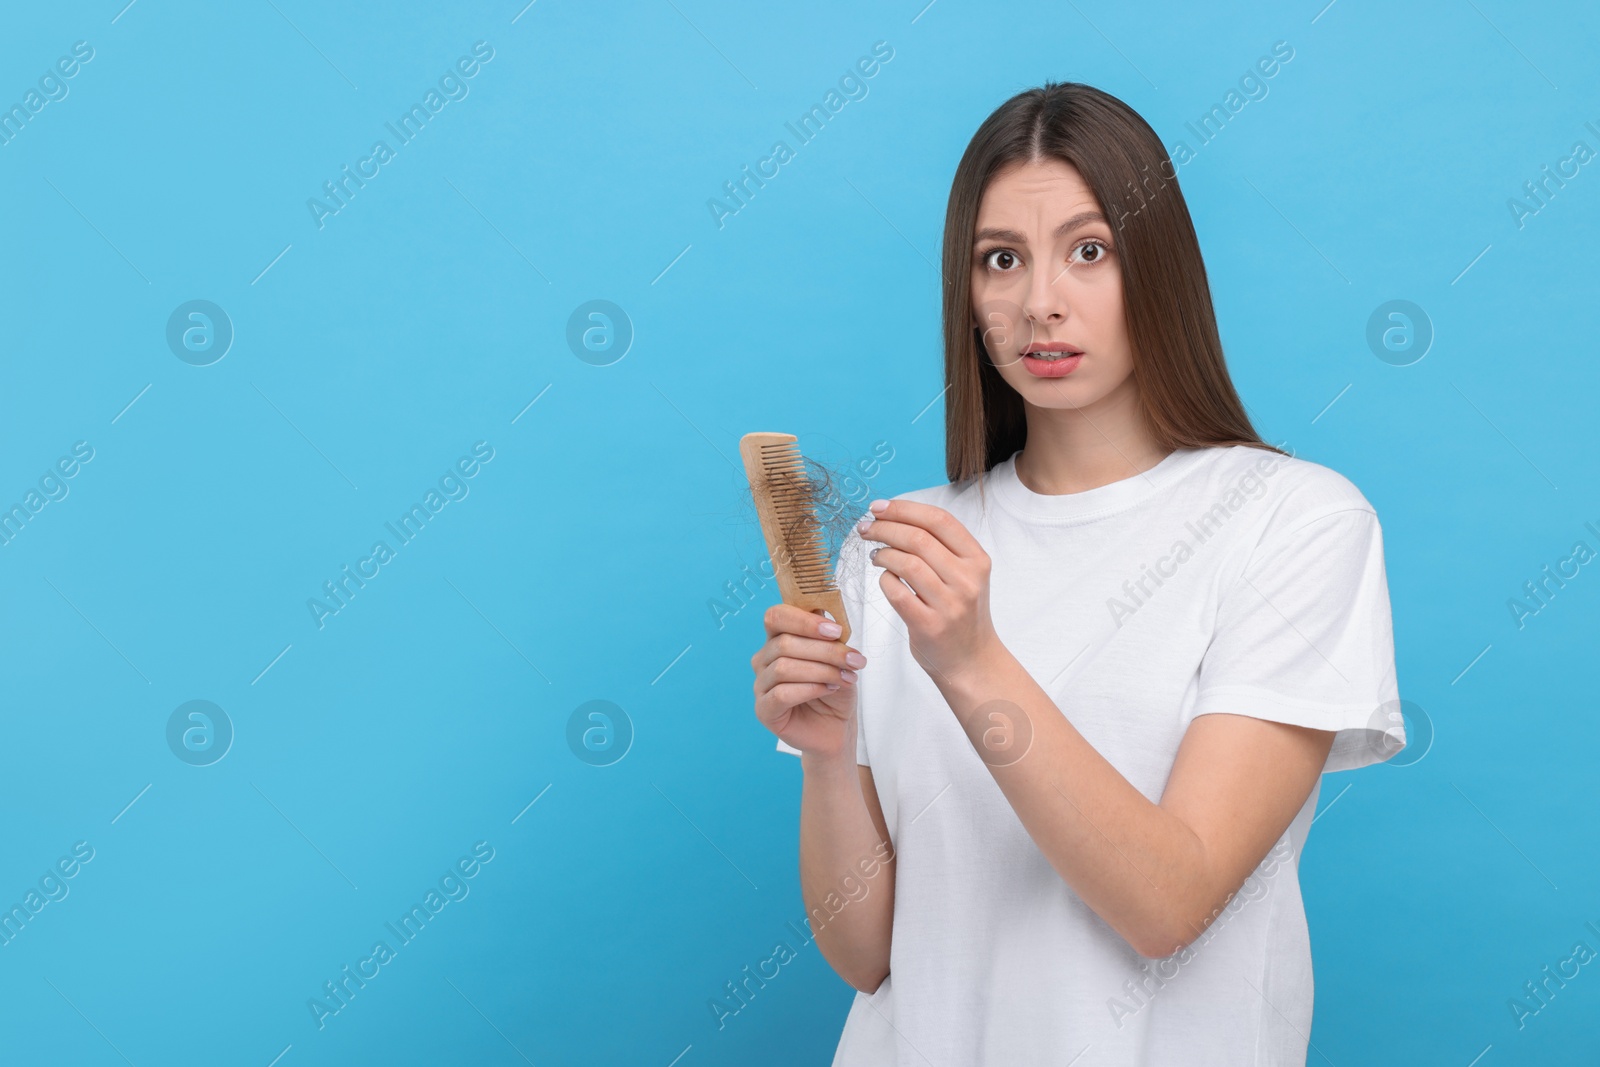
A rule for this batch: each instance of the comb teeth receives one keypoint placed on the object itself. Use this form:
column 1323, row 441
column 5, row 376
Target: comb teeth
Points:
column 793, row 499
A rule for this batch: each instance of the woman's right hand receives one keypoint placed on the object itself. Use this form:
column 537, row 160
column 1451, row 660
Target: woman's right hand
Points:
column 805, row 683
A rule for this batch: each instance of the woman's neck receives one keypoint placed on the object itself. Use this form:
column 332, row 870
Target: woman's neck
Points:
column 1053, row 464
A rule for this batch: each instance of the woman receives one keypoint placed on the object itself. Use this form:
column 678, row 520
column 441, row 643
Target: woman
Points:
column 1101, row 671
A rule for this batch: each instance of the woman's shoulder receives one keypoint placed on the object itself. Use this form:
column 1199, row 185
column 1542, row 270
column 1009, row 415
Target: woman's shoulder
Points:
column 1299, row 490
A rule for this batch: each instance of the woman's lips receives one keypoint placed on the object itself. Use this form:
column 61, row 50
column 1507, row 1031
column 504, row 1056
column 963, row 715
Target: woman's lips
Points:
column 1051, row 368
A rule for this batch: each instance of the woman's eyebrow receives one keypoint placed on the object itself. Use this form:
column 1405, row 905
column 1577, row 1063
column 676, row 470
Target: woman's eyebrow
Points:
column 1083, row 218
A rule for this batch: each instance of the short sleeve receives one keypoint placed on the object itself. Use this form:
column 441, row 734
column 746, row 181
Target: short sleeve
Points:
column 850, row 573
column 1305, row 636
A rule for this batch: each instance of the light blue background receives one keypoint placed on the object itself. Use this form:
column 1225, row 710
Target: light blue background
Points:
column 432, row 310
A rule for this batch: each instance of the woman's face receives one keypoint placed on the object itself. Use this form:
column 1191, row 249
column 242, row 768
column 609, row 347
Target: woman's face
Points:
column 1044, row 275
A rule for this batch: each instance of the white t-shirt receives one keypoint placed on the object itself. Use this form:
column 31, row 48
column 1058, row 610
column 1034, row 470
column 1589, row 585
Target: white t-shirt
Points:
column 1228, row 579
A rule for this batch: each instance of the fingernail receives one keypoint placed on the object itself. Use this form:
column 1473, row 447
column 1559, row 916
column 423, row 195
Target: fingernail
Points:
column 833, row 685
column 855, row 659
column 861, row 527
column 830, row 629
column 877, row 506
column 849, row 676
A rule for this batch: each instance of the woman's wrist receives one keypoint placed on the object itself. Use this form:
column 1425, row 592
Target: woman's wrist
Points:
column 976, row 680
column 841, row 765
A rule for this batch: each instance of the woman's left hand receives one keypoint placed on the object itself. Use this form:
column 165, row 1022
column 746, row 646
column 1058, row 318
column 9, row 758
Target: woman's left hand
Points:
column 946, row 608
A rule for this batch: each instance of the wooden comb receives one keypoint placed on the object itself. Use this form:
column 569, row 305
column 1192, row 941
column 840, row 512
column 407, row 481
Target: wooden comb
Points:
column 785, row 503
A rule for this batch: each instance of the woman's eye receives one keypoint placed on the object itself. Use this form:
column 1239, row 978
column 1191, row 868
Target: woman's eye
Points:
column 1083, row 251
column 999, row 259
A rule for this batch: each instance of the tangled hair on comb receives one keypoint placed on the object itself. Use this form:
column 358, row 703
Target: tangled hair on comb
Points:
column 816, row 490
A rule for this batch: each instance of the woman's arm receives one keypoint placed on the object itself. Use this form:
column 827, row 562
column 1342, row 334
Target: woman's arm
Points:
column 1156, row 873
column 846, row 857
column 846, row 868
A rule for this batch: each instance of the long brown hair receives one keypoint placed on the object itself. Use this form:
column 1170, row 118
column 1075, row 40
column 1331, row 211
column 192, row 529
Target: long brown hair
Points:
column 1186, row 395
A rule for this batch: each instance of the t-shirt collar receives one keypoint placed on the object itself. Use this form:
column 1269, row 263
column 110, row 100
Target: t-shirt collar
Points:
column 1090, row 504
